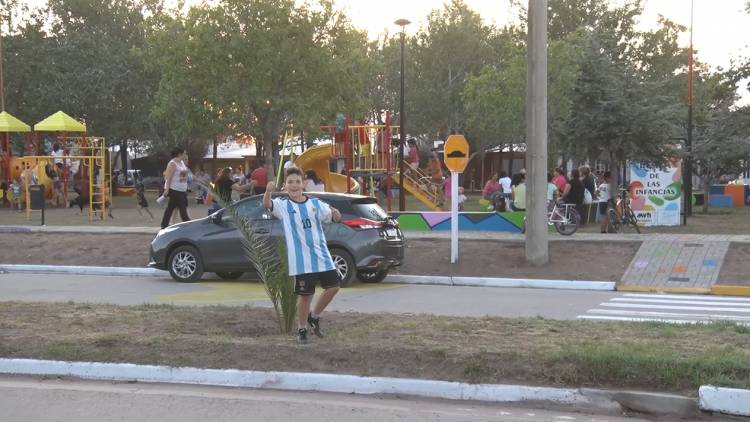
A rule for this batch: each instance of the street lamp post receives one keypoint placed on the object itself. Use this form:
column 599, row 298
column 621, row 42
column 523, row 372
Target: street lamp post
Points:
column 402, row 125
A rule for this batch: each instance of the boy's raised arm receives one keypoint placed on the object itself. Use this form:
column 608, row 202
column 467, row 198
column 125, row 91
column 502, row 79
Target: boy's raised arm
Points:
column 267, row 196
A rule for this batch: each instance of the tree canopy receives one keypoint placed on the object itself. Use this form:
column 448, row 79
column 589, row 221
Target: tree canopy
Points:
column 138, row 70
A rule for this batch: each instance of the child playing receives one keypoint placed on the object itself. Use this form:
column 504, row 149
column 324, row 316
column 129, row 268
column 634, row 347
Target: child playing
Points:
column 461, row 198
column 140, row 196
column 15, row 194
column 309, row 260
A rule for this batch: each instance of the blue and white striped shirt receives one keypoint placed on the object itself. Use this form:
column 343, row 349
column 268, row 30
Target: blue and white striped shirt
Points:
column 306, row 247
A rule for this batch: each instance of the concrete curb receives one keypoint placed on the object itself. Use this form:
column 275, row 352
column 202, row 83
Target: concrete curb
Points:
column 80, row 269
column 396, row 278
column 502, row 282
column 584, row 399
column 731, row 401
column 330, row 383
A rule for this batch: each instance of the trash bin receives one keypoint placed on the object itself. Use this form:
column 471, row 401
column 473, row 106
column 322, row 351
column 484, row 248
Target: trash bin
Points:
column 36, row 197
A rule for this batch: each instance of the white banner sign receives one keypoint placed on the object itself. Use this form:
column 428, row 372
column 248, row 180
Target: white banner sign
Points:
column 656, row 194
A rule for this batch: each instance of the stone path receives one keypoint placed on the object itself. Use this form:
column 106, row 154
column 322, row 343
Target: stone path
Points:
column 676, row 263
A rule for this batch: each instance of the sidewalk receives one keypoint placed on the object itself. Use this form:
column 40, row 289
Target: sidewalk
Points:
column 468, row 235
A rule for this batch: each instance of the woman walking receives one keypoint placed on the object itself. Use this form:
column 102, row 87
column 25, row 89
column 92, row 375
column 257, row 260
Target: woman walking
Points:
column 175, row 186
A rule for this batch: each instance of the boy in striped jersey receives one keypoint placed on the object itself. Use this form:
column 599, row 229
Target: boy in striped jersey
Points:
column 309, row 260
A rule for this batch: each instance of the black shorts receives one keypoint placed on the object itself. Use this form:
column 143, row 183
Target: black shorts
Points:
column 604, row 206
column 304, row 284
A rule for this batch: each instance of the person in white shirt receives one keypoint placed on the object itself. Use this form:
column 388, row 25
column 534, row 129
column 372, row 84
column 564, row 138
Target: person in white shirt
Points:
column 308, row 258
column 505, row 183
column 605, row 198
column 175, row 187
column 312, row 183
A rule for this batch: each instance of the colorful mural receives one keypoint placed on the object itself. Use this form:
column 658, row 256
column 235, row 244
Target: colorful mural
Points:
column 511, row 222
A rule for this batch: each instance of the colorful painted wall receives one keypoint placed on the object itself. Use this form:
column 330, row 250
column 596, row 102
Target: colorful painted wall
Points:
column 511, row 222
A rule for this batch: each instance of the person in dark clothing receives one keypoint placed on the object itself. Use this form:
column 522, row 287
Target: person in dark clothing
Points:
column 224, row 185
column 588, row 180
column 573, row 193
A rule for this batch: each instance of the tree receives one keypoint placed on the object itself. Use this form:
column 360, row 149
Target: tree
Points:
column 280, row 63
column 615, row 114
column 454, row 45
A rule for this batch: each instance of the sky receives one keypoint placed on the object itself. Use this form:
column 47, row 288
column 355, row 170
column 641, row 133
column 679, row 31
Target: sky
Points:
column 721, row 28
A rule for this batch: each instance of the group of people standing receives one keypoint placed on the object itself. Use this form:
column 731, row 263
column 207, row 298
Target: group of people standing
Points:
column 579, row 187
column 177, row 178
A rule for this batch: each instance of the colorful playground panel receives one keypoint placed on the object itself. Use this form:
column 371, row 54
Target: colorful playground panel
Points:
column 511, row 222
column 728, row 196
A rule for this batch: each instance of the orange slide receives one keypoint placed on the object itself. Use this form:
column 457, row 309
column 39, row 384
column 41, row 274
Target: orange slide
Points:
column 318, row 159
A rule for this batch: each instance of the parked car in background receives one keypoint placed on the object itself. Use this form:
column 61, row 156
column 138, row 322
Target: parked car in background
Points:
column 367, row 243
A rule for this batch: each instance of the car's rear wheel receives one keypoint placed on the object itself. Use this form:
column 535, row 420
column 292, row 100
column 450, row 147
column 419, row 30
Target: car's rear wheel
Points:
column 344, row 266
column 371, row 276
column 185, row 264
column 230, row 275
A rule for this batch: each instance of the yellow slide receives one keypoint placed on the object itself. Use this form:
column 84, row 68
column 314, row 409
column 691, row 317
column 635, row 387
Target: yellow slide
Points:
column 423, row 195
column 318, row 159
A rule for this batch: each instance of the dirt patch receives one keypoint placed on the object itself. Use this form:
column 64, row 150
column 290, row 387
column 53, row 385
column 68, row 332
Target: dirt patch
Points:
column 734, row 270
column 107, row 250
column 478, row 350
column 568, row 261
column 594, row 261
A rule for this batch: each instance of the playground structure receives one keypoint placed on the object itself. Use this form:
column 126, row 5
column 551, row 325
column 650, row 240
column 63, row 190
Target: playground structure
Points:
column 83, row 158
column 367, row 153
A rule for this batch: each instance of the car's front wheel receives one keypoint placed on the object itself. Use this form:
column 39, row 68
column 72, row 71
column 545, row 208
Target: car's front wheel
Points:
column 185, row 264
column 230, row 275
column 343, row 264
column 371, row 276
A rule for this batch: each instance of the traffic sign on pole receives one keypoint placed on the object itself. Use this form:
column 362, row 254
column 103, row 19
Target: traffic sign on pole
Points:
column 456, row 155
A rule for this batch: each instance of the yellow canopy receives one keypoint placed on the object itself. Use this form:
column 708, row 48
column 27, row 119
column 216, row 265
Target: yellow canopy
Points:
column 8, row 123
column 60, row 122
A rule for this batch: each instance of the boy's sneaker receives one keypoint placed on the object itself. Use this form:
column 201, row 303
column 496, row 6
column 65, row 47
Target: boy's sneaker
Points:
column 314, row 325
column 302, row 336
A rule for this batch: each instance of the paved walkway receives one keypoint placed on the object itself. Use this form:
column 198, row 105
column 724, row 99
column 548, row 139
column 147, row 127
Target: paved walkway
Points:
column 676, row 265
column 468, row 235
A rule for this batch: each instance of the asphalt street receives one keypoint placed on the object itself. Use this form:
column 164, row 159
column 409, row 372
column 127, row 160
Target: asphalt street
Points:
column 83, row 401
column 368, row 298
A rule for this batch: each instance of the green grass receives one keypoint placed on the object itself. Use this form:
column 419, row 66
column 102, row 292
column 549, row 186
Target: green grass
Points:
column 536, row 351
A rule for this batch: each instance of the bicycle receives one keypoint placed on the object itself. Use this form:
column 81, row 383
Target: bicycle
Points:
column 563, row 216
column 627, row 219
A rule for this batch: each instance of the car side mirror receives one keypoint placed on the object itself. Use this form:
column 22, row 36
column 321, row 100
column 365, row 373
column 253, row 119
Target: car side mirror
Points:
column 216, row 217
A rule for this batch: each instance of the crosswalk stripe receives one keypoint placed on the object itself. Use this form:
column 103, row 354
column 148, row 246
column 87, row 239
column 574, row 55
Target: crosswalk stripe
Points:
column 684, row 302
column 631, row 319
column 666, row 314
column 676, row 307
column 705, row 298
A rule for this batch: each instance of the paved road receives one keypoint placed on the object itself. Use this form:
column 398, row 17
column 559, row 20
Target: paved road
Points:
column 439, row 300
column 27, row 399
column 389, row 298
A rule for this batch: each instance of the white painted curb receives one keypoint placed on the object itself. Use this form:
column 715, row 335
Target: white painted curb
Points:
column 502, row 282
column 80, row 269
column 329, row 383
column 394, row 278
column 731, row 401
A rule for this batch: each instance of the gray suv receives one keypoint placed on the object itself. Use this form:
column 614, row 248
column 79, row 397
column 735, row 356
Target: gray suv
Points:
column 366, row 244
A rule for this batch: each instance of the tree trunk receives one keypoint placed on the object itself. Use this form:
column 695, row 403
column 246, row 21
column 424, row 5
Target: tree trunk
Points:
column 124, row 157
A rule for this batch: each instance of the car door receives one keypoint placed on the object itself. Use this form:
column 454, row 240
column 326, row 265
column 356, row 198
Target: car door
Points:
column 222, row 246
